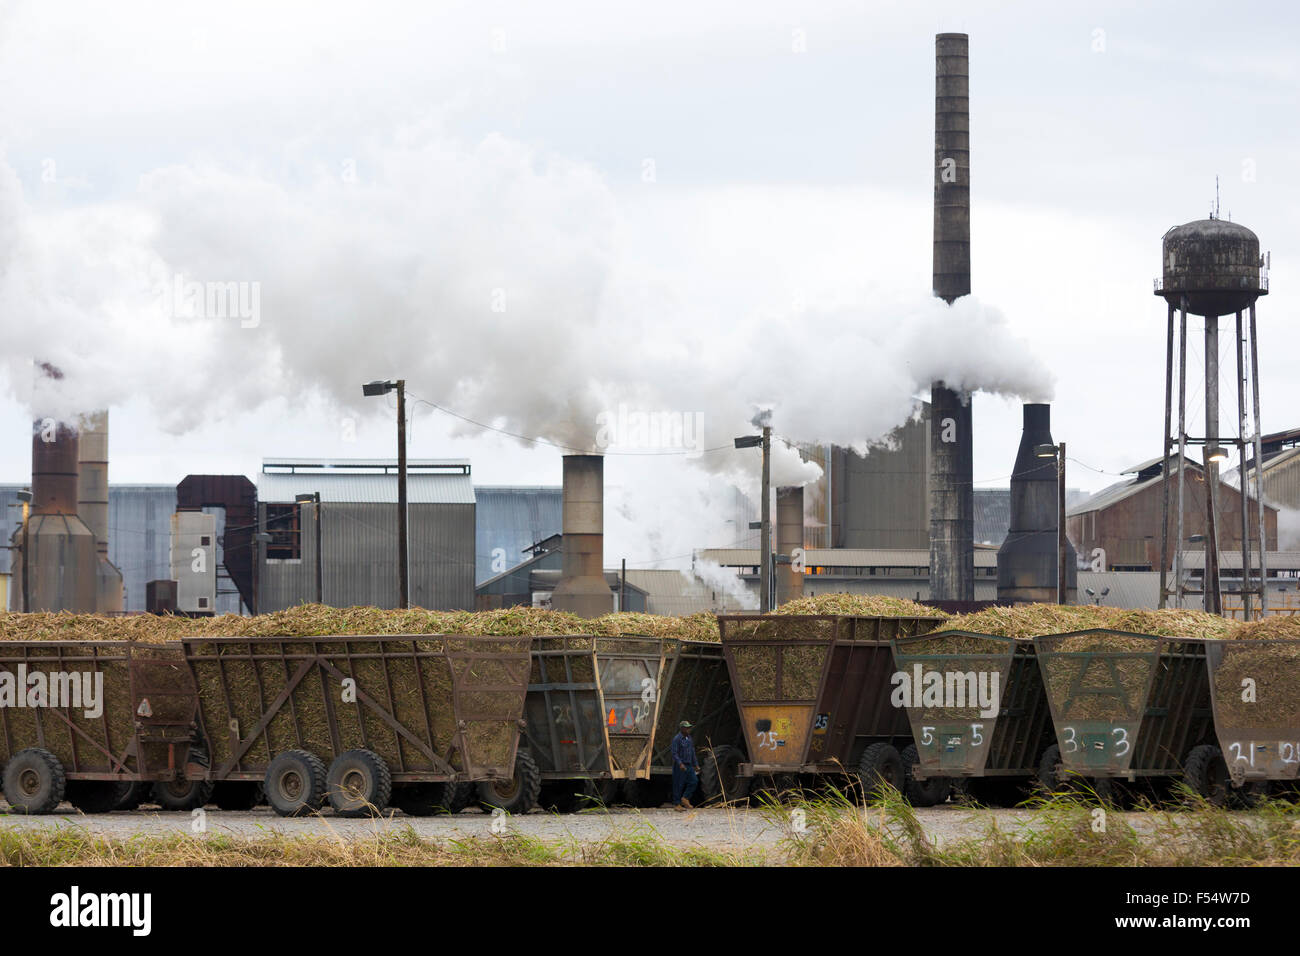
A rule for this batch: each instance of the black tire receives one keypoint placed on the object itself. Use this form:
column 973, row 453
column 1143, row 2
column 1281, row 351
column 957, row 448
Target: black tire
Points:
column 922, row 793
column 1111, row 792
column 879, row 766
column 720, row 780
column 97, row 796
column 34, row 781
column 181, row 794
column 1051, row 775
column 132, row 797
column 427, row 799
column 295, row 783
column 359, row 784
column 238, row 794
column 519, row 793
column 650, row 793
column 1206, row 773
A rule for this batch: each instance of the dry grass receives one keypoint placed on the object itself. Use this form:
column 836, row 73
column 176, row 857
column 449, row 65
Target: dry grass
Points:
column 73, row 846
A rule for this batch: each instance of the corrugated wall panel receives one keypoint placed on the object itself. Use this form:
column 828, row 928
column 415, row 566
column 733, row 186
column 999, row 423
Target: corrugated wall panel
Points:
column 360, row 559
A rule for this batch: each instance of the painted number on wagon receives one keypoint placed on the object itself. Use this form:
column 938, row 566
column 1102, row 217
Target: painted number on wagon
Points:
column 976, row 738
column 927, row 736
column 767, row 740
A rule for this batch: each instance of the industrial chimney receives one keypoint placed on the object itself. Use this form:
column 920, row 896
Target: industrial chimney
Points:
column 92, row 506
column 582, row 588
column 952, row 495
column 789, row 536
column 1027, row 558
column 58, row 555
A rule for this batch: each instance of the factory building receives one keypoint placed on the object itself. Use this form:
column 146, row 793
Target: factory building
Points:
column 898, row 572
column 507, row 522
column 357, row 533
column 1118, row 528
column 1281, row 451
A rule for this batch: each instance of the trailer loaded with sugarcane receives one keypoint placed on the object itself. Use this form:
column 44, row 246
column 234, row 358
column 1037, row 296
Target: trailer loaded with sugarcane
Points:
column 979, row 715
column 94, row 722
column 1255, row 693
column 1131, row 711
column 589, row 722
column 362, row 722
column 695, row 687
column 814, row 695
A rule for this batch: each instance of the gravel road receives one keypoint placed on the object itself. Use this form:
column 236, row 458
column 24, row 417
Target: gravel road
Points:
column 734, row 829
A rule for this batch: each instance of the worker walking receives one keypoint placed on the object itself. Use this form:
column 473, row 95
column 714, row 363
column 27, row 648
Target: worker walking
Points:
column 685, row 769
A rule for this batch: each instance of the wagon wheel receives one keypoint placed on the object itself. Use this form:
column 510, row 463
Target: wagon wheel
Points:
column 1206, row 773
column 518, row 794
column 560, row 796
column 426, row 799
column 879, row 768
column 922, row 793
column 1052, row 777
column 182, row 794
column 34, row 781
column 295, row 783
column 720, row 779
column 359, row 784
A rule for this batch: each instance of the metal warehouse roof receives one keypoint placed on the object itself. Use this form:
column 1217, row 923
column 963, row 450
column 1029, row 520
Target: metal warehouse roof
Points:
column 844, row 557
column 1231, row 558
column 337, row 487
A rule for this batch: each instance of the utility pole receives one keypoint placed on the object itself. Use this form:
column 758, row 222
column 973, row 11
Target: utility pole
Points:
column 403, row 598
column 622, row 588
column 1060, row 525
column 765, row 574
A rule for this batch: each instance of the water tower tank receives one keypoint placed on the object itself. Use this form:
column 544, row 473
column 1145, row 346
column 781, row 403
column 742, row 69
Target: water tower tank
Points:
column 1214, row 265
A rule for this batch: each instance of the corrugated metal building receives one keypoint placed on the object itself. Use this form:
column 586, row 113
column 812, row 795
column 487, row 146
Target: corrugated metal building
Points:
column 1124, row 519
column 895, row 572
column 508, row 520
column 531, row 582
column 359, row 533
column 139, row 539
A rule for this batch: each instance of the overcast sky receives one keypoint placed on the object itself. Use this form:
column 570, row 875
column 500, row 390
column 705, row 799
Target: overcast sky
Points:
column 693, row 174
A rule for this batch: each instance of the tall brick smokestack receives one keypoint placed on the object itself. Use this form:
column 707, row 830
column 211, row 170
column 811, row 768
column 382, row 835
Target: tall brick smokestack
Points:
column 952, row 495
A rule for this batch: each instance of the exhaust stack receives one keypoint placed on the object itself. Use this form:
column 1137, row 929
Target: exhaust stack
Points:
column 1027, row 558
column 582, row 588
column 56, row 571
column 789, row 536
column 92, row 506
column 952, row 495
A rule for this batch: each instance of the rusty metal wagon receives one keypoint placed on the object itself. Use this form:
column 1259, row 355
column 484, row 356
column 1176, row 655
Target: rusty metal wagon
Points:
column 1253, row 691
column 1125, row 707
column 983, row 723
column 590, row 718
column 92, row 721
column 814, row 696
column 360, row 721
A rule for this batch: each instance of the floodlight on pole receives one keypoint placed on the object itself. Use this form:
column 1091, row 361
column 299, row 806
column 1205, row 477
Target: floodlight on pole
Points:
column 372, row 389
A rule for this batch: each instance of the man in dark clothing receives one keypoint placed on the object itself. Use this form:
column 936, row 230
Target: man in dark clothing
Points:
column 685, row 769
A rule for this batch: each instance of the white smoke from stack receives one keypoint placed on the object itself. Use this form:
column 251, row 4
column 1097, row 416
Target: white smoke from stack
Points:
column 494, row 278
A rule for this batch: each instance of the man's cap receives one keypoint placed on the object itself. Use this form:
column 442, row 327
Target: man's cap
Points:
column 685, row 724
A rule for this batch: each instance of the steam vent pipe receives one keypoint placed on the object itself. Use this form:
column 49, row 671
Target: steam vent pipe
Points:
column 1027, row 558
column 789, row 537
column 952, row 495
column 582, row 588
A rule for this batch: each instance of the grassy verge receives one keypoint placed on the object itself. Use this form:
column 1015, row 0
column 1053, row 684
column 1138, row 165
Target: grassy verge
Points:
column 72, row 846
column 1065, row 830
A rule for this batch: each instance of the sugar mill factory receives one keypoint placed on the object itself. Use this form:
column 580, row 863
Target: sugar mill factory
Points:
column 905, row 519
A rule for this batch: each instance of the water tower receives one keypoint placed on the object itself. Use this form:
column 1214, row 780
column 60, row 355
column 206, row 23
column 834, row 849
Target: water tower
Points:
column 1212, row 268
